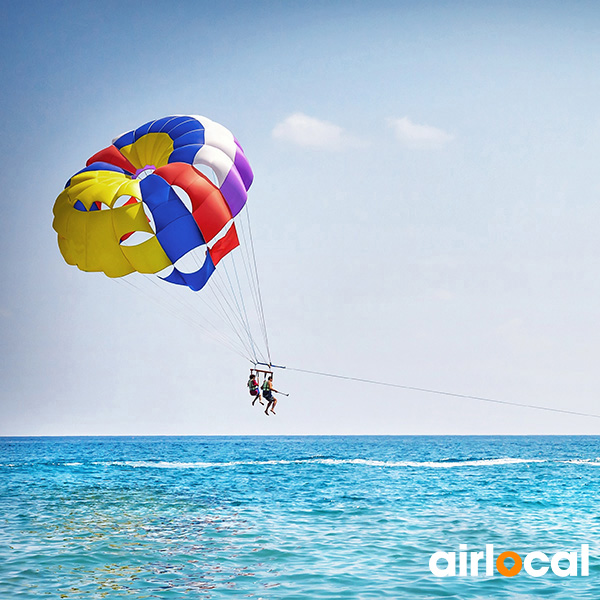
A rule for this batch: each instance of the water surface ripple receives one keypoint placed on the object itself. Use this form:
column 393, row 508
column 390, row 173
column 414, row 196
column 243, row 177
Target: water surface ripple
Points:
column 290, row 517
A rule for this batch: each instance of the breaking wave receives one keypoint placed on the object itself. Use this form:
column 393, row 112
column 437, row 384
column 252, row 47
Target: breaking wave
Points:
column 442, row 464
column 446, row 463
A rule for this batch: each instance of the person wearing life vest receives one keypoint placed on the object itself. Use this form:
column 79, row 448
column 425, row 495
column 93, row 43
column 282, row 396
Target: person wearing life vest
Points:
column 253, row 389
column 267, row 390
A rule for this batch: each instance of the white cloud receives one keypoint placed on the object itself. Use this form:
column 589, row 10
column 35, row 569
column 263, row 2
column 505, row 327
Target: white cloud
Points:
column 419, row 136
column 302, row 130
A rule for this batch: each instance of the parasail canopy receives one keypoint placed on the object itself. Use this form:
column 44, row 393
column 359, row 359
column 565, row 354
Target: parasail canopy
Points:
column 143, row 203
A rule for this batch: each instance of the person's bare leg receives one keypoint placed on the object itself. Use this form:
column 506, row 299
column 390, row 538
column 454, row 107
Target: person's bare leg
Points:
column 272, row 407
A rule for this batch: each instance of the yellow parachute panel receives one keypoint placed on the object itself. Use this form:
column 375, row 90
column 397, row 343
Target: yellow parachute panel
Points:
column 151, row 149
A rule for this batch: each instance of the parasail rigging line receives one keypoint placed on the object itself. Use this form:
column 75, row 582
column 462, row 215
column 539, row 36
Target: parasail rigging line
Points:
column 242, row 343
column 262, row 310
column 252, row 282
column 176, row 298
column 444, row 393
column 214, row 334
column 239, row 287
column 239, row 303
column 218, row 286
column 225, row 315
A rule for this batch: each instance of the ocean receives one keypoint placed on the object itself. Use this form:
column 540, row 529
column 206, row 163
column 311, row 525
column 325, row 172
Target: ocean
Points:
column 349, row 517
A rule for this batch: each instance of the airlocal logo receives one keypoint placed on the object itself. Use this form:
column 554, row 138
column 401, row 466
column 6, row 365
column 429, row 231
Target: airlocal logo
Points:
column 536, row 564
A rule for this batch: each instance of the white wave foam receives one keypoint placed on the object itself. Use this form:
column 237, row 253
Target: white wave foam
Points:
column 436, row 464
column 443, row 464
column 322, row 461
column 582, row 461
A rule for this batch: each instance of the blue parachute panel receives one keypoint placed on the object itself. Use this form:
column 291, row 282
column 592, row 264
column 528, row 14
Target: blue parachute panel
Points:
column 179, row 237
column 185, row 154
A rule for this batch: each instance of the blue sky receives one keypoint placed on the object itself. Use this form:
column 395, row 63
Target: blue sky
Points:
column 425, row 212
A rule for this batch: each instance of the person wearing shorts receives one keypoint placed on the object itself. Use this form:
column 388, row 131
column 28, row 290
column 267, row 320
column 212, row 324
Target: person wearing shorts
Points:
column 254, row 389
column 268, row 389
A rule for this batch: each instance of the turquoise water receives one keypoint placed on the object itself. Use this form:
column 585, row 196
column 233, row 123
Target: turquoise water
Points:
column 291, row 517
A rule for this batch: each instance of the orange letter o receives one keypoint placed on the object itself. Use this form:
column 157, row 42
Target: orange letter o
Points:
column 515, row 569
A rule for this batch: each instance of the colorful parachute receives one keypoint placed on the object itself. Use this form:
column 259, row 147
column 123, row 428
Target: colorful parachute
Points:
column 143, row 204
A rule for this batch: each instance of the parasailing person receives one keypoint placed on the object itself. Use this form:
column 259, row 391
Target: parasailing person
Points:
column 254, row 388
column 267, row 390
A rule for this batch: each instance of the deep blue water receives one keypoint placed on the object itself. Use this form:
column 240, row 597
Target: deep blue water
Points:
column 291, row 517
